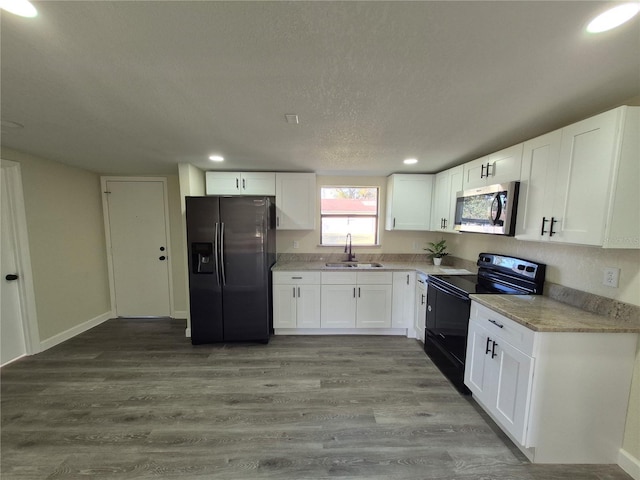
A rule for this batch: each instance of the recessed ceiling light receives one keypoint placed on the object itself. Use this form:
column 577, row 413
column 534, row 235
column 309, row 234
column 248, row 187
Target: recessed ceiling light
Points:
column 410, row 161
column 613, row 17
column 292, row 118
column 24, row 8
column 216, row 158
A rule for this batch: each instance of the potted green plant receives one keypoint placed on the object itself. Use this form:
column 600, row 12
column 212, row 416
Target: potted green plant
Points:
column 437, row 250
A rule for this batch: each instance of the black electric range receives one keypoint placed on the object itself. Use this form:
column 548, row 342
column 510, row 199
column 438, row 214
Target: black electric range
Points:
column 448, row 305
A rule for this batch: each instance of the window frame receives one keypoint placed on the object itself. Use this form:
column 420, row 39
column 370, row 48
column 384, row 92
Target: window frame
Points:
column 376, row 216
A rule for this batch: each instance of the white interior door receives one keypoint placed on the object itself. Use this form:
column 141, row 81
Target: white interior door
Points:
column 138, row 237
column 12, row 334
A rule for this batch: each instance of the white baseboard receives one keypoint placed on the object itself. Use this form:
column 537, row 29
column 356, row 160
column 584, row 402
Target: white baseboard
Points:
column 340, row 331
column 629, row 464
column 179, row 314
column 72, row 332
column 13, row 360
column 187, row 332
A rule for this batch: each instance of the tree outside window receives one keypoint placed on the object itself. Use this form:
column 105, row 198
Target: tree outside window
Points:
column 345, row 210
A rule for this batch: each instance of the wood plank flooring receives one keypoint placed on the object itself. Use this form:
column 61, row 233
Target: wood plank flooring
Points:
column 134, row 399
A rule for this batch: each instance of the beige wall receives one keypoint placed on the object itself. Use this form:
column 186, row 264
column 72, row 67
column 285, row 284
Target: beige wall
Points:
column 390, row 241
column 66, row 243
column 569, row 265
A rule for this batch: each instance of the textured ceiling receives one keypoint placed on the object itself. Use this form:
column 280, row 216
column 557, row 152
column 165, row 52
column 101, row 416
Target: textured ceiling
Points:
column 137, row 87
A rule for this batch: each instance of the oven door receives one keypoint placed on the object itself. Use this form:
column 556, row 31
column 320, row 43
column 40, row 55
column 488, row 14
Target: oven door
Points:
column 448, row 319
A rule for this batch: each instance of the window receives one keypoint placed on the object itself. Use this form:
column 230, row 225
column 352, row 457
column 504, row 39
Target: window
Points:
column 345, row 210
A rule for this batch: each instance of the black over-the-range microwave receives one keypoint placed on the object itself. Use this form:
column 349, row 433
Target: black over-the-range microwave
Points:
column 489, row 209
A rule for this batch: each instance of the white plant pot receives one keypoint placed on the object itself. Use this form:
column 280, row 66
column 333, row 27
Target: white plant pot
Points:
column 437, row 261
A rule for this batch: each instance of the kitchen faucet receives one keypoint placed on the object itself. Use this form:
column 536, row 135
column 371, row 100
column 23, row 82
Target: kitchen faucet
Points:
column 347, row 249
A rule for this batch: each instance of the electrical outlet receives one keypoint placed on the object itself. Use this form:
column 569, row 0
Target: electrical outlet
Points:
column 611, row 277
column 296, row 244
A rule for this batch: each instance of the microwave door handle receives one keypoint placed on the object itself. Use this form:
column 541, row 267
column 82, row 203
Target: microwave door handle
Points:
column 496, row 199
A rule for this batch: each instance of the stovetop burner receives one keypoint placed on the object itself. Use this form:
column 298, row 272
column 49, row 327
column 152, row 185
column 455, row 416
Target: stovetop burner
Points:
column 498, row 274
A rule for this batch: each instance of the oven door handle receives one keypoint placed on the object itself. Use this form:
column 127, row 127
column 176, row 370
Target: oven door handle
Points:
column 449, row 291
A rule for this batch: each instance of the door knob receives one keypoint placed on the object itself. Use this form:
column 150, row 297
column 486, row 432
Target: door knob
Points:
column 162, row 257
column 11, row 277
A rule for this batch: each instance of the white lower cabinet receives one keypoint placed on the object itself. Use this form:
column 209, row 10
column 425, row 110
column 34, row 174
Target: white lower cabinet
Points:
column 403, row 300
column 373, row 301
column 296, row 300
column 420, row 307
column 356, row 300
column 562, row 397
column 499, row 376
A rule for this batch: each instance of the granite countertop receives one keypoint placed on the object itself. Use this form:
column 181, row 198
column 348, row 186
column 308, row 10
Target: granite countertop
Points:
column 542, row 314
column 392, row 266
column 536, row 312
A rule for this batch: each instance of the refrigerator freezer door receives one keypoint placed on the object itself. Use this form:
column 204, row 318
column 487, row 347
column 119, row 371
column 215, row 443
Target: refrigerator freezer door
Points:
column 205, row 289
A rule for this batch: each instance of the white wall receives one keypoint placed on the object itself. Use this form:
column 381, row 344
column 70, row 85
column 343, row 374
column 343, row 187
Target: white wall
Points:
column 390, row 241
column 573, row 266
column 63, row 207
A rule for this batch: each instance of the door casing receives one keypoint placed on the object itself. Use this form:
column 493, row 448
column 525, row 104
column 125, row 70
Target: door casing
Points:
column 13, row 176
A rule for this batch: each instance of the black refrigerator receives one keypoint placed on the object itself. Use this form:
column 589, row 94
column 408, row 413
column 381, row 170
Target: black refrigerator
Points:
column 231, row 248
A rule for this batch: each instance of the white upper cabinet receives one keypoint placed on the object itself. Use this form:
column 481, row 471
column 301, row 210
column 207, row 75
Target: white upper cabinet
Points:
column 500, row 167
column 580, row 184
column 537, row 186
column 447, row 184
column 409, row 202
column 295, row 201
column 240, row 183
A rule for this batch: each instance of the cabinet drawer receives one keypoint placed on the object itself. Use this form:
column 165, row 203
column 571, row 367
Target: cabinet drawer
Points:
column 296, row 278
column 504, row 328
column 375, row 278
column 339, row 278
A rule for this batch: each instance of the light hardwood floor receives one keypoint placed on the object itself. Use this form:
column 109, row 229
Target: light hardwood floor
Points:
column 134, row 399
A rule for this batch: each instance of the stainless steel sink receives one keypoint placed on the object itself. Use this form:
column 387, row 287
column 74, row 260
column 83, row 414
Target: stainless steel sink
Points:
column 354, row 265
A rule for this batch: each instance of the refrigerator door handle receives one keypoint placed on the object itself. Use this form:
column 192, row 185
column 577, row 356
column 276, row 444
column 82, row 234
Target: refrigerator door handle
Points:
column 215, row 254
column 224, row 279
